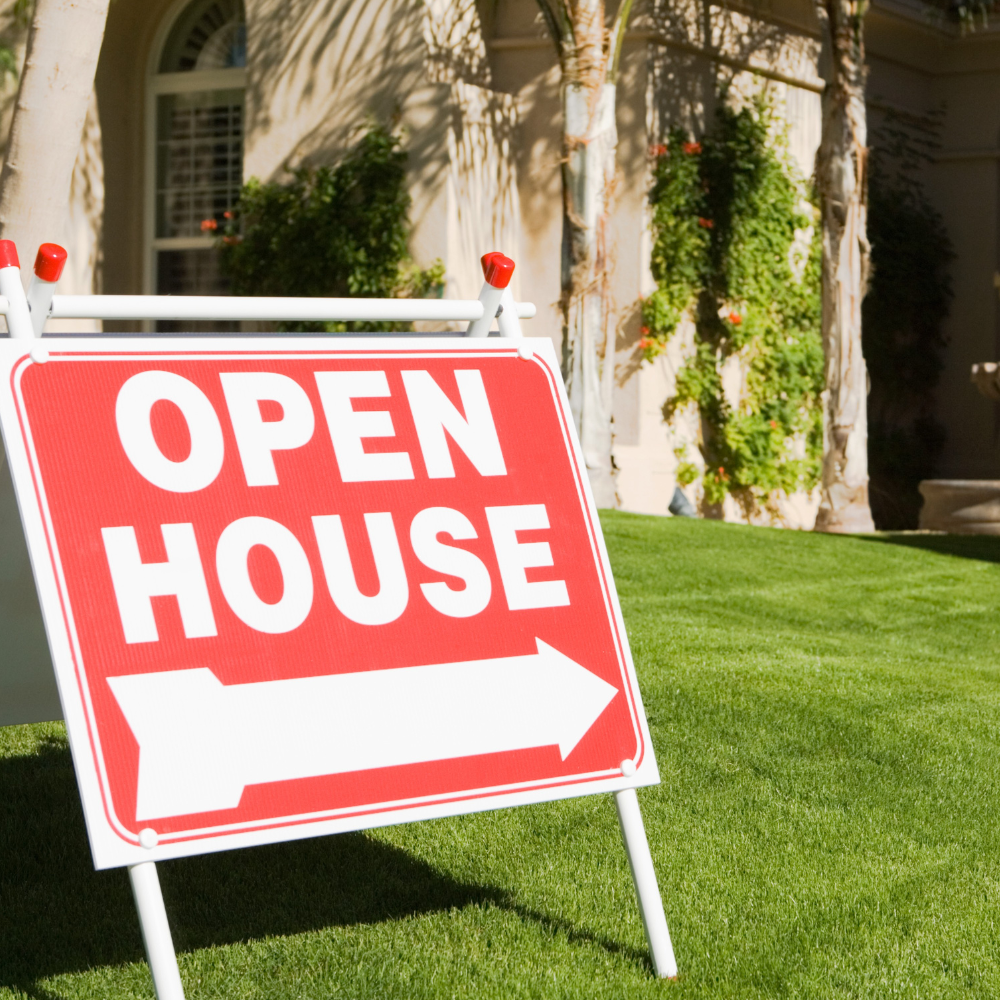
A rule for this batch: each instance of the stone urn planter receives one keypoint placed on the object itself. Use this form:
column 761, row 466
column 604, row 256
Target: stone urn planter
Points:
column 961, row 506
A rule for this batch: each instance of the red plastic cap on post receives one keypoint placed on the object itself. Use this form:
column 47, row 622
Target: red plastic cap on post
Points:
column 50, row 262
column 8, row 254
column 497, row 269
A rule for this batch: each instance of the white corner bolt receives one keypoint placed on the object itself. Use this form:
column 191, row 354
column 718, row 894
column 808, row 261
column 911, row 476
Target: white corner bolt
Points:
column 628, row 767
column 39, row 354
column 524, row 352
column 148, row 838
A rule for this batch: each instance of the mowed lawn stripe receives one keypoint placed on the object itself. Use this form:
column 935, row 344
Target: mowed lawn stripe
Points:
column 826, row 716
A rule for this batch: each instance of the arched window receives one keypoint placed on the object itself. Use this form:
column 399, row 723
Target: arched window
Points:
column 194, row 144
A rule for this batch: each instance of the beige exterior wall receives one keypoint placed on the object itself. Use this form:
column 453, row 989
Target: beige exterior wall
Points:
column 477, row 99
column 917, row 64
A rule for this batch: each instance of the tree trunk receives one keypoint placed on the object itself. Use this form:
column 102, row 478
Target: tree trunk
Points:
column 45, row 137
column 841, row 167
column 49, row 115
column 588, row 58
column 590, row 140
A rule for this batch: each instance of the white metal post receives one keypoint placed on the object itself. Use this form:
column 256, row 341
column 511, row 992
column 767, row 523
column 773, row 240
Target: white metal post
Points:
column 49, row 265
column 145, row 882
column 156, row 931
column 18, row 315
column 627, row 802
column 644, row 876
column 262, row 307
column 497, row 269
column 266, row 307
column 507, row 321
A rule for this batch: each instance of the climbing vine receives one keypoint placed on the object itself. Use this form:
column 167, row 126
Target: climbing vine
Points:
column 736, row 248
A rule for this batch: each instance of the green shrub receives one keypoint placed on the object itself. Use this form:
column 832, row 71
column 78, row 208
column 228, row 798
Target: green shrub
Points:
column 330, row 231
column 736, row 244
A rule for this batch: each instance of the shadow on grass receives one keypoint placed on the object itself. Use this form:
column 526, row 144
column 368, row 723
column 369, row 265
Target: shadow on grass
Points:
column 984, row 548
column 57, row 915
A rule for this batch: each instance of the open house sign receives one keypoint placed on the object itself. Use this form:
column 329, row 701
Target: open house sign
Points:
column 302, row 586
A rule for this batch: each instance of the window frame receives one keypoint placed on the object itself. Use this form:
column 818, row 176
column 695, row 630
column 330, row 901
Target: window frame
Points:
column 158, row 84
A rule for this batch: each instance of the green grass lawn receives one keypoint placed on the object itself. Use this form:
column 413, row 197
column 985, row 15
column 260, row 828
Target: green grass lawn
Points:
column 826, row 716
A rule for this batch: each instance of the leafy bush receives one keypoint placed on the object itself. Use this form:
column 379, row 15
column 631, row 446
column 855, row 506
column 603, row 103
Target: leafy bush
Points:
column 735, row 243
column 330, row 231
column 18, row 15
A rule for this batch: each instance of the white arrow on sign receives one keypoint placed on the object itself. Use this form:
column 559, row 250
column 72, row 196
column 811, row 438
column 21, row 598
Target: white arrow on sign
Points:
column 201, row 742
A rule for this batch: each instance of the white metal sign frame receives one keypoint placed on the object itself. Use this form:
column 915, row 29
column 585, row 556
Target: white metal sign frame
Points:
column 26, row 317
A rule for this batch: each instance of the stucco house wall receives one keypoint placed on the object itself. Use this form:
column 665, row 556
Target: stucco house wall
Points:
column 475, row 90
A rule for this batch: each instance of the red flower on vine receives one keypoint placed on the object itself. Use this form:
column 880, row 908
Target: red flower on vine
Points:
column 227, row 215
column 705, row 223
column 692, row 148
column 209, row 225
column 774, row 425
column 659, row 150
column 735, row 318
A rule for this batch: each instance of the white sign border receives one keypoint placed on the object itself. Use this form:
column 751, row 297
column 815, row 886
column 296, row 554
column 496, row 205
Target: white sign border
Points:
column 111, row 844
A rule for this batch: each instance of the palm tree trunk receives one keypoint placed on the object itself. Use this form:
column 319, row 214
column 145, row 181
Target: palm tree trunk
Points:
column 841, row 166
column 589, row 143
column 589, row 56
column 47, row 127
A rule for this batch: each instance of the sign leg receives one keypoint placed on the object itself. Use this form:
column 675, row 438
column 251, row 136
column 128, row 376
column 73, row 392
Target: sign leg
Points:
column 644, row 876
column 156, row 931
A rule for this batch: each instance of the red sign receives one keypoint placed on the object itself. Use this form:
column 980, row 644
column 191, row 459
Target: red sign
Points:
column 301, row 586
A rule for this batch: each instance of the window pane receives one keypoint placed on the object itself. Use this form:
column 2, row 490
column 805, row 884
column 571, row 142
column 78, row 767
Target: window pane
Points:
column 209, row 34
column 199, row 159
